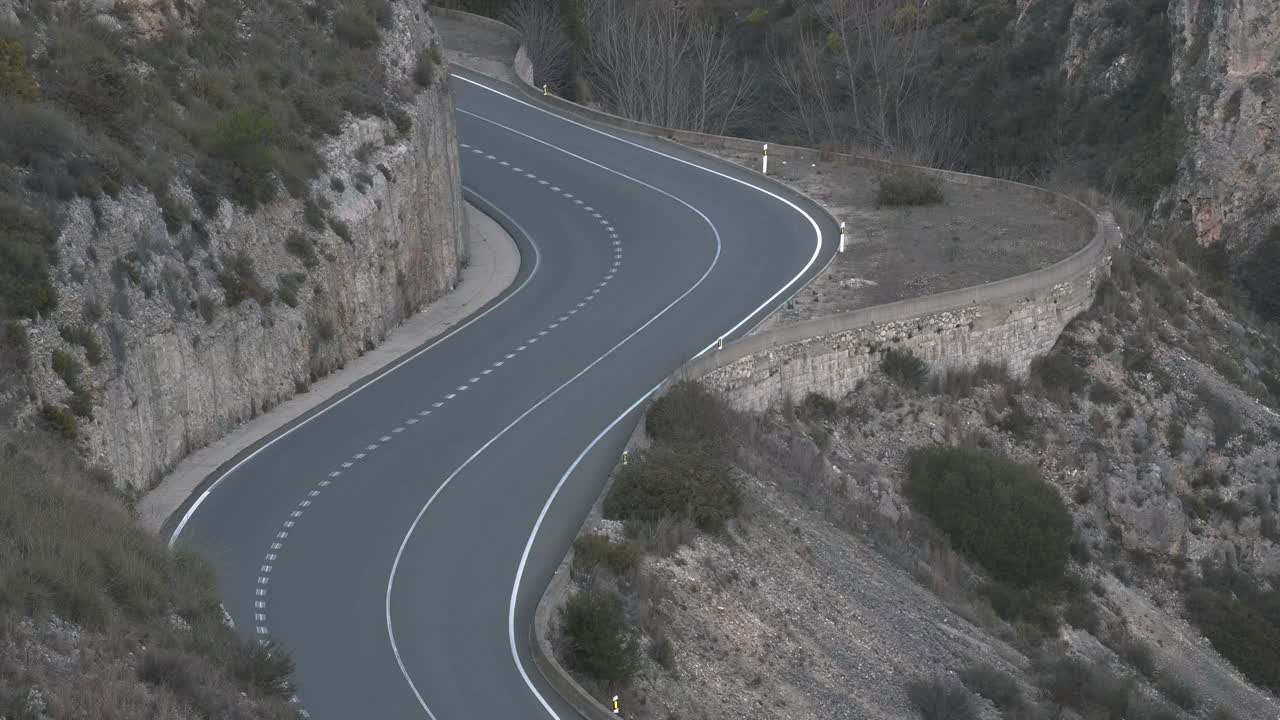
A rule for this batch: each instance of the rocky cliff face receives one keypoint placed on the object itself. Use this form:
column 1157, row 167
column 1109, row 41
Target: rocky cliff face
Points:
column 207, row 327
column 1226, row 68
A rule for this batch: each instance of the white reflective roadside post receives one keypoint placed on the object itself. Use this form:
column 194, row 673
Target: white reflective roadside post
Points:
column 841, row 236
column 720, row 343
column 544, row 88
column 764, row 160
column 626, row 457
column 615, row 704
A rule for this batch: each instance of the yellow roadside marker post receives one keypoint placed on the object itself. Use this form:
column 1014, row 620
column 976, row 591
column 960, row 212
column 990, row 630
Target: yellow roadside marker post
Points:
column 615, row 704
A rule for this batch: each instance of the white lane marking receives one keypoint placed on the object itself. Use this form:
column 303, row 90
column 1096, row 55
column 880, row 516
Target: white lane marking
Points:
column 532, row 340
column 314, row 493
column 276, row 546
column 450, row 396
column 573, row 311
column 262, row 630
column 577, row 201
column 477, row 151
column 563, row 318
column 486, row 371
column 582, row 304
column 464, row 146
column 589, row 209
column 543, row 182
column 817, row 252
column 503, row 163
column 511, row 356
column 411, row 421
column 335, row 473
column 555, row 188
column 384, row 438
column 490, row 157
column 347, row 464
column 395, row 565
column 499, row 363
column 305, row 503
column 437, row 404
column 264, row 569
column 324, row 483
column 359, row 456
column 270, row 557
column 399, row 428
column 463, row 388
column 522, row 348
column 289, row 523
column 516, row 169
column 531, row 176
column 537, row 262
column 475, row 379
column 553, row 326
column 371, row 447
column 817, row 231
column 542, row 333
column 296, row 514
column 259, row 604
column 263, row 580
column 283, row 534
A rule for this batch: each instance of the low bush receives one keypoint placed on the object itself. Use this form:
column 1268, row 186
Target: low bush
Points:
column 1059, row 375
column 424, row 69
column 681, row 482
column 993, row 684
column 288, row 285
column 240, row 281
column 591, row 551
column 61, row 421
column 941, row 700
column 341, row 229
column 1103, row 393
column 995, row 511
column 299, row 245
column 84, row 337
column 818, row 406
column 1225, row 416
column 904, row 368
column 600, row 643
column 688, row 414
column 1243, row 623
column 905, row 188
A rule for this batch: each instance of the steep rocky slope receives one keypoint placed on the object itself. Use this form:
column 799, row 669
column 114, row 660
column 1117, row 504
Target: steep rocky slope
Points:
column 179, row 316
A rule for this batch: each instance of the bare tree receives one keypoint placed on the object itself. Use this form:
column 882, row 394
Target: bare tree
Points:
column 806, row 89
column 664, row 62
column 545, row 39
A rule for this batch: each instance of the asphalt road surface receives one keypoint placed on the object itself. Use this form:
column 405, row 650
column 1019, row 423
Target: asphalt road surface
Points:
column 396, row 540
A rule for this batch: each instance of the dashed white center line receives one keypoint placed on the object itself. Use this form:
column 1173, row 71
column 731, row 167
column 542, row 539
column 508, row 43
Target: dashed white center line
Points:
column 411, row 421
column 371, row 447
column 511, row 356
column 486, row 371
column 347, row 464
column 437, row 404
column 543, row 182
column 384, row 438
column 475, row 379
column 499, row 363
column 398, row 428
column 463, row 388
column 450, row 396
column 504, row 163
column 359, row 456
column 522, row 348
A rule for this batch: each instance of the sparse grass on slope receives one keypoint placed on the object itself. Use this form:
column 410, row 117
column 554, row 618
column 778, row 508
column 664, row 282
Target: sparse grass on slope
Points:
column 146, row 630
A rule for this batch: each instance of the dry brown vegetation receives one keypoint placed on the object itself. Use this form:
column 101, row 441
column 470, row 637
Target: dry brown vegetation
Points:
column 98, row 619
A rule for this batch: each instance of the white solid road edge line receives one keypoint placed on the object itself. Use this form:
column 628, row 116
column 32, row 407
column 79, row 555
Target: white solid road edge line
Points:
column 524, row 558
column 395, row 565
column 537, row 261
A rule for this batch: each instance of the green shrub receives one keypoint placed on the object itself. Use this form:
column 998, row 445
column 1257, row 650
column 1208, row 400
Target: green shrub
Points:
column 1059, row 375
column 85, row 338
column 242, row 140
column 16, row 80
column 600, row 643
column 299, row 245
column 26, row 252
column 240, row 281
column 993, row 510
column 1245, row 628
column 688, row 414
column 341, row 229
column 1225, row 416
column 287, row 287
column 903, row 188
column 591, row 551
column 904, row 368
column 681, row 482
column 354, row 25
column 817, row 405
column 1103, row 393
column 61, row 420
column 942, row 700
column 993, row 684
column 424, row 69
column 266, row 668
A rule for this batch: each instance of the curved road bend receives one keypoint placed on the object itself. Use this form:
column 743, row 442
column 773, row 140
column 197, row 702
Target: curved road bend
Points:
column 632, row 262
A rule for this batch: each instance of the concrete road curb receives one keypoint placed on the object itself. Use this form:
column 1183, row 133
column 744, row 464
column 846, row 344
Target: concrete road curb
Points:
column 493, row 266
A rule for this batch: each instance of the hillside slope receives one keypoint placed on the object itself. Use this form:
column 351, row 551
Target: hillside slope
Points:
column 214, row 236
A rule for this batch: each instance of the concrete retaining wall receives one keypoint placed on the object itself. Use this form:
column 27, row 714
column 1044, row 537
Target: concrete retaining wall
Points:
column 1011, row 321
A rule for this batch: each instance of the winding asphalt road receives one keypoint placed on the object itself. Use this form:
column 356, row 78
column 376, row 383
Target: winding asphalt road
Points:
column 397, row 539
